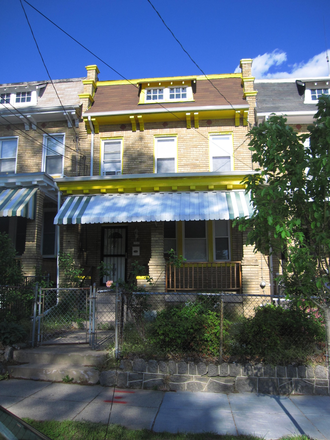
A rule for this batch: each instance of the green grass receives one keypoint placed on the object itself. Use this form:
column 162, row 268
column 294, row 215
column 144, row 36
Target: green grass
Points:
column 95, row 431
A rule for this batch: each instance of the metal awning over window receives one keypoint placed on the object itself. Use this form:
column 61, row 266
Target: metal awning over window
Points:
column 18, row 202
column 154, row 207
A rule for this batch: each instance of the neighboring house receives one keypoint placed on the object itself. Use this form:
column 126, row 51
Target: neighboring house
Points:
column 295, row 99
column 167, row 157
column 39, row 141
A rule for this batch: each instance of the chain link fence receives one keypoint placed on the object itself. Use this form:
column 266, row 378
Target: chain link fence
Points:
column 222, row 327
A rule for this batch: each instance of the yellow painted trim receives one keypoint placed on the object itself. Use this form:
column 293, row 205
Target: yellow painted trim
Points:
column 196, row 120
column 141, row 122
column 210, row 244
column 96, row 125
column 141, row 277
column 188, row 120
column 237, row 118
column 92, row 67
column 167, row 79
column 133, row 122
column 248, row 78
column 88, row 82
column 165, row 184
column 245, row 118
column 252, row 93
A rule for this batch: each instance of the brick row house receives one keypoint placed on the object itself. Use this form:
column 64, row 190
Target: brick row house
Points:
column 125, row 171
column 167, row 157
column 39, row 141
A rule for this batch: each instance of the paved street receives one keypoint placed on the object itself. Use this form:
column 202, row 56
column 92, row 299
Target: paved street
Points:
column 270, row 417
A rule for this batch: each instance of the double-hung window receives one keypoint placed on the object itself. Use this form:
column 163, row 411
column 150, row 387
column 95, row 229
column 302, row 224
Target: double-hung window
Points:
column 169, row 236
column 316, row 93
column 53, row 162
column 8, row 152
column 112, row 157
column 221, row 240
column 5, row 98
column 178, row 92
column 165, row 154
column 195, row 241
column 221, row 152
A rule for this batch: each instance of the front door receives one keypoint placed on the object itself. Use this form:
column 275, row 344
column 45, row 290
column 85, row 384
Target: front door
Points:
column 115, row 253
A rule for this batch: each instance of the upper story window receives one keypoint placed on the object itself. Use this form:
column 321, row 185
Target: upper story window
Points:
column 221, row 152
column 178, row 93
column 5, row 98
column 155, row 95
column 316, row 93
column 8, row 153
column 111, row 157
column 53, row 154
column 166, row 93
column 23, row 97
column 165, row 154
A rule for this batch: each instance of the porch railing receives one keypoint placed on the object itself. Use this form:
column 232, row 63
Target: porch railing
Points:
column 220, row 276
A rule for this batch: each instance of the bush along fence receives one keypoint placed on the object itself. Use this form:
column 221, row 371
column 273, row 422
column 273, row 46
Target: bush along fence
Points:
column 220, row 328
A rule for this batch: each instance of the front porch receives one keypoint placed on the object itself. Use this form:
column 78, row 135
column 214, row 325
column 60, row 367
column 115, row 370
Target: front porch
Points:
column 219, row 276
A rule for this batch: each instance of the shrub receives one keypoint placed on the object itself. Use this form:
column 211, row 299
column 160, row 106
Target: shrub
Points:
column 10, row 271
column 192, row 327
column 11, row 333
column 278, row 335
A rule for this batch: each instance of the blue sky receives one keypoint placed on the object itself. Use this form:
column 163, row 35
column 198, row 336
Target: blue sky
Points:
column 285, row 38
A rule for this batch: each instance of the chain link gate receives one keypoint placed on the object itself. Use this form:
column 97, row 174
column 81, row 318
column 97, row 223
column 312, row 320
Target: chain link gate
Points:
column 77, row 316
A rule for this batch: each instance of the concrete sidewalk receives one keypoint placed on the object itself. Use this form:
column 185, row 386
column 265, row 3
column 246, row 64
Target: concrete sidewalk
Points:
column 270, row 417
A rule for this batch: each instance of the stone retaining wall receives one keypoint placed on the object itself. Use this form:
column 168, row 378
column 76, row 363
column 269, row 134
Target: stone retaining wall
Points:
column 224, row 378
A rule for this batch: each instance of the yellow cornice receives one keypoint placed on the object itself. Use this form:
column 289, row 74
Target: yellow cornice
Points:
column 86, row 95
column 252, row 93
column 168, row 79
column 159, row 184
column 92, row 67
column 88, row 82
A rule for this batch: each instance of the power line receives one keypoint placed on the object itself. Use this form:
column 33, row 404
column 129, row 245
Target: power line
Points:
column 187, row 53
column 44, row 63
column 39, row 128
column 130, row 82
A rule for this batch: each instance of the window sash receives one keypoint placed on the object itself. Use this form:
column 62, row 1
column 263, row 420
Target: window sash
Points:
column 316, row 93
column 178, row 93
column 165, row 155
column 112, row 152
column 195, row 241
column 23, row 97
column 221, row 152
column 54, row 153
column 155, row 94
column 221, row 240
column 8, row 151
column 5, row 98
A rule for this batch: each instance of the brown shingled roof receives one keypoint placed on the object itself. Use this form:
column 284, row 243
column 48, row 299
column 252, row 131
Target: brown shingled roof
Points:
column 125, row 97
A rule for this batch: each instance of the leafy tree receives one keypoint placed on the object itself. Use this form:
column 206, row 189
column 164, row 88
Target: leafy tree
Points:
column 291, row 199
column 10, row 271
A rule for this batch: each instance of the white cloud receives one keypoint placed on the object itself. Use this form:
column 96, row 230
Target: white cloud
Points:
column 315, row 67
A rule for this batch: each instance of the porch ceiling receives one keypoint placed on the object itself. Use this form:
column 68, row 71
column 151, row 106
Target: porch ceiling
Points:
column 154, row 207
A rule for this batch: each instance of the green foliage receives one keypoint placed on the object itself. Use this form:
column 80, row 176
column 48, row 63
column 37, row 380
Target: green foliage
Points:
column 278, row 335
column 192, row 327
column 10, row 271
column 11, row 333
column 67, row 379
column 70, row 271
column 291, row 200
column 174, row 259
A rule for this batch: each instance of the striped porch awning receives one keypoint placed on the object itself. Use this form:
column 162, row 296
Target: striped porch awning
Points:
column 18, row 202
column 154, row 207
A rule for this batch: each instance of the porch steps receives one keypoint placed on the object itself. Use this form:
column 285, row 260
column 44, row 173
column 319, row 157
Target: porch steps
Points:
column 58, row 364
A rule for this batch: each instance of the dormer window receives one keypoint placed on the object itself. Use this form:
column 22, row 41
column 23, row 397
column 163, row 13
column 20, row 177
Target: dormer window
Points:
column 23, row 97
column 316, row 93
column 174, row 91
column 5, row 98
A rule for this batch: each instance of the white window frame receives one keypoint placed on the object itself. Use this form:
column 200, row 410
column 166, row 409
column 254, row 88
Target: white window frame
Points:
column 308, row 94
column 5, row 98
column 45, row 155
column 166, row 94
column 167, row 154
column 221, row 145
column 215, row 236
column 13, row 95
column 204, row 239
column 10, row 158
column 156, row 94
column 103, row 170
column 23, row 97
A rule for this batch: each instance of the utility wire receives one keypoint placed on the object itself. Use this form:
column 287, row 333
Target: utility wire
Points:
column 44, row 63
column 187, row 53
column 35, row 141
column 130, row 82
column 42, row 130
